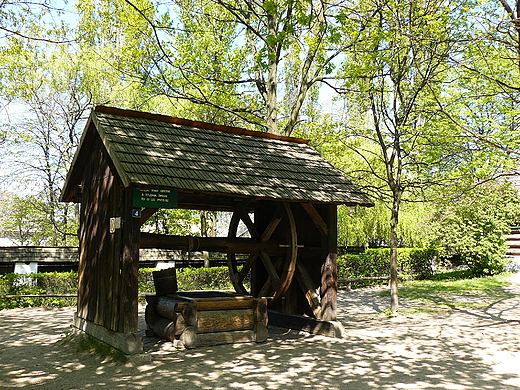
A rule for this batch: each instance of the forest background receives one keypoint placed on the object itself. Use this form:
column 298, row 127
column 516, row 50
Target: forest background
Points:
column 417, row 102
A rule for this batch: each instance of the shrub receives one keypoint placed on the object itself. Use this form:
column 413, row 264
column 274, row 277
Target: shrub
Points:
column 472, row 227
column 215, row 278
column 42, row 284
column 417, row 263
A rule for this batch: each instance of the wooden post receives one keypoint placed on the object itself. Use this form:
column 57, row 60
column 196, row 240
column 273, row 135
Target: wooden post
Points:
column 329, row 288
column 260, row 319
column 129, row 267
column 329, row 269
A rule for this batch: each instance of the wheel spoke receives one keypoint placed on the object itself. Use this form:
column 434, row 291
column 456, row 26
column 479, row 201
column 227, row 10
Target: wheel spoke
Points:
column 271, row 270
column 280, row 274
column 247, row 266
column 244, row 216
column 268, row 285
column 269, row 230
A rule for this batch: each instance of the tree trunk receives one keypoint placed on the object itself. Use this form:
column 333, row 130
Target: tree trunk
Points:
column 394, row 220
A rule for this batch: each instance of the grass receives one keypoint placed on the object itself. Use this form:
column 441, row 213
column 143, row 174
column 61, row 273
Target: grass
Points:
column 455, row 289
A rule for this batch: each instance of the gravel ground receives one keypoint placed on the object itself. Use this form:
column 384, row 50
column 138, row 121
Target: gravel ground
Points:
column 464, row 348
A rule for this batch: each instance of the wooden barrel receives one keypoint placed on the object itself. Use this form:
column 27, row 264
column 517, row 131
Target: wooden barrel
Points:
column 165, row 281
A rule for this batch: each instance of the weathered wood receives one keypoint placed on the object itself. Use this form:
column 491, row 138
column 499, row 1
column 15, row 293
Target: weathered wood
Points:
column 292, row 253
column 306, row 324
column 189, row 337
column 266, row 276
column 271, row 270
column 271, row 227
column 189, row 314
column 187, row 325
column 100, row 276
column 306, row 284
column 261, row 320
column 165, row 307
column 208, row 339
column 329, row 288
column 129, row 267
column 210, row 321
column 150, row 313
column 218, row 304
column 165, row 281
column 164, row 328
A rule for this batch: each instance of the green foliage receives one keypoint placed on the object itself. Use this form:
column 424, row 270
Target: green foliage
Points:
column 37, row 221
column 417, row 263
column 172, row 221
column 473, row 225
column 215, row 278
column 38, row 284
column 369, row 227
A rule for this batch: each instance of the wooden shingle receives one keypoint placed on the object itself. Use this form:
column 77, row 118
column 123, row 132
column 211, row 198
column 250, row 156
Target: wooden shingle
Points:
column 156, row 151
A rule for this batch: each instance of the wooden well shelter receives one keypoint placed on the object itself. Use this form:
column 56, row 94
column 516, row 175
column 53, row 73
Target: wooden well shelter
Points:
column 129, row 164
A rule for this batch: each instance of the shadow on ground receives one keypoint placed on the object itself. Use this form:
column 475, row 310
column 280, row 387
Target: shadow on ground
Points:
column 452, row 349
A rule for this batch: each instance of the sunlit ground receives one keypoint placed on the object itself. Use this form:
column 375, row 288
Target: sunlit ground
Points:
column 475, row 347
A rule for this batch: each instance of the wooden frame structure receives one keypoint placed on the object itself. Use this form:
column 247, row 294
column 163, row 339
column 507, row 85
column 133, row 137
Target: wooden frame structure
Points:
column 128, row 162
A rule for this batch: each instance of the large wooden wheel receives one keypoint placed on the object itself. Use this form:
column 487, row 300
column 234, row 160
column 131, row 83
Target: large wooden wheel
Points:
column 281, row 272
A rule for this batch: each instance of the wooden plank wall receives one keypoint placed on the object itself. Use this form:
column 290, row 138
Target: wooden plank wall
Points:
column 99, row 291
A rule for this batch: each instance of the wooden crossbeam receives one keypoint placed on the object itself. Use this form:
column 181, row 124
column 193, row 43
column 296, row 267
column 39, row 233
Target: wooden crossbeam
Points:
column 316, row 218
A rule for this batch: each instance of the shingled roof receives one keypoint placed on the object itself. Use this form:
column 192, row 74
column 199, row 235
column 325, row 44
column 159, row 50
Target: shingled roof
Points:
column 150, row 150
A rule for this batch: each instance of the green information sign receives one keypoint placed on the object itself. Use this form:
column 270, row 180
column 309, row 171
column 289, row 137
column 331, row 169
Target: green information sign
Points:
column 156, row 197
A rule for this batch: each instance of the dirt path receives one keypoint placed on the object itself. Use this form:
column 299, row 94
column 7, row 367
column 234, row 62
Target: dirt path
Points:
column 456, row 349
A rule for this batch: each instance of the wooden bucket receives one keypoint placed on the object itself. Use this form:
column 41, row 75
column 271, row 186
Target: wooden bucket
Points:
column 165, row 281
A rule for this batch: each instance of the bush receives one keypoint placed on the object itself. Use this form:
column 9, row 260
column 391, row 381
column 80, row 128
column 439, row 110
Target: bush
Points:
column 472, row 227
column 188, row 279
column 415, row 263
column 38, row 284
column 215, row 278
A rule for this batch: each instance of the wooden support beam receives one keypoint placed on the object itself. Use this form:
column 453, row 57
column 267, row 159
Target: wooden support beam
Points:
column 146, row 215
column 305, row 282
column 316, row 218
column 210, row 244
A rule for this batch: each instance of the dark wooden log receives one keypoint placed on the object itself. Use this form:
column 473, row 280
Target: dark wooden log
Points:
column 164, row 328
column 210, row 244
column 223, row 304
column 211, row 321
column 150, row 313
column 165, row 281
column 165, row 307
column 309, row 289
